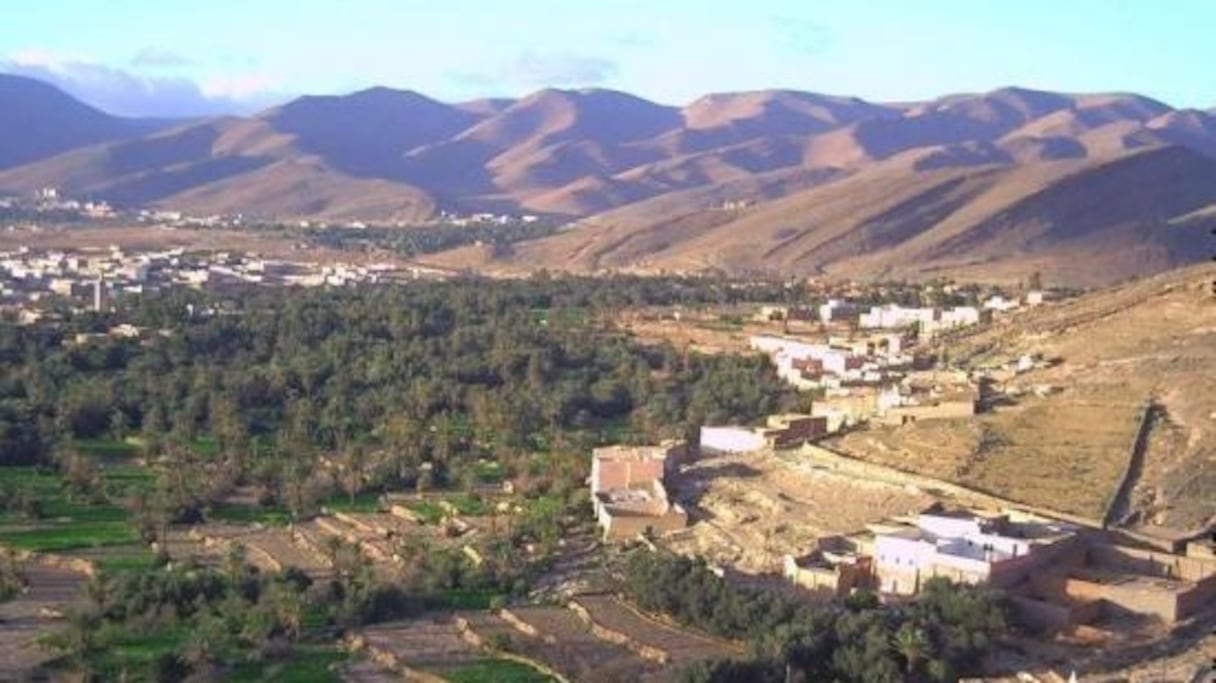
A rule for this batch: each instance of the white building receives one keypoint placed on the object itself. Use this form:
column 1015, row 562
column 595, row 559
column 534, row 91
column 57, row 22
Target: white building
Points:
column 731, row 439
column 892, row 316
column 999, row 303
column 959, row 316
column 966, row 548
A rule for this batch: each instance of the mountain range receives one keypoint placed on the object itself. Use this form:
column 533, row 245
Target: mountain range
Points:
column 1085, row 188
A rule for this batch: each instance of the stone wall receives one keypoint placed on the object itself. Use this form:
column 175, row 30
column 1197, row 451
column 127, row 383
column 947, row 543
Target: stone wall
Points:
column 1053, row 616
column 946, row 410
column 819, row 456
column 1152, row 563
column 621, row 527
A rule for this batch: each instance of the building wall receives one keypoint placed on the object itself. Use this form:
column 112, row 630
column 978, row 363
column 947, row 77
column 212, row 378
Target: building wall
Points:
column 1202, row 550
column 1152, row 563
column 1052, row 616
column 731, row 439
column 1139, row 599
column 839, row 580
column 794, row 429
column 1065, row 552
column 621, row 527
column 946, row 410
column 1201, row 597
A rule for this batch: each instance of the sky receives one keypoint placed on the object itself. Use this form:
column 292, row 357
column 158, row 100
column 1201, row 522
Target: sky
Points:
column 192, row 58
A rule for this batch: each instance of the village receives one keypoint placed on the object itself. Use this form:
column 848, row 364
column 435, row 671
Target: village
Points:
column 780, row 505
column 33, row 280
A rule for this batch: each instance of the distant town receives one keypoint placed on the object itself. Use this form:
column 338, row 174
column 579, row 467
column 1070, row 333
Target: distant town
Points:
column 95, row 279
column 49, row 204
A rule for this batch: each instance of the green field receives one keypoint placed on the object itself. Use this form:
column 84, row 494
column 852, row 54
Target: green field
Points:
column 61, row 522
column 73, row 535
column 498, row 671
column 134, row 654
column 306, row 664
column 432, row 512
column 469, row 599
column 108, row 449
column 490, row 472
column 247, row 514
column 363, row 502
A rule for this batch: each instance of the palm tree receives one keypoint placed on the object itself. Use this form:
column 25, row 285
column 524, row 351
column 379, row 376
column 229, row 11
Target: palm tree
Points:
column 97, row 591
column 78, row 641
column 912, row 644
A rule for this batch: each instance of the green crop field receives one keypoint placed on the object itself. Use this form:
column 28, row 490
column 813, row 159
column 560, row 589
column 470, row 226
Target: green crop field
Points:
column 307, row 664
column 497, row 671
column 59, row 522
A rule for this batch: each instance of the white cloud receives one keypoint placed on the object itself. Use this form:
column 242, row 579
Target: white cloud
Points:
column 156, row 58
column 533, row 69
column 128, row 93
column 561, row 69
column 237, row 87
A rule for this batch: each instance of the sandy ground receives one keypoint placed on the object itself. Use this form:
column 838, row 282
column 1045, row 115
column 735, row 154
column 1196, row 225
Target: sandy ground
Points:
column 1035, row 452
column 33, row 614
column 146, row 237
column 703, row 332
column 748, row 511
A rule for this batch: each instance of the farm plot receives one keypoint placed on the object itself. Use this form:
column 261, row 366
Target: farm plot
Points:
column 680, row 646
column 23, row 619
column 49, row 519
column 282, row 550
column 436, row 646
column 557, row 637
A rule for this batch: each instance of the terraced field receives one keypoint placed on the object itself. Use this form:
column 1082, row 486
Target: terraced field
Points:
column 565, row 643
column 274, row 549
column 681, row 646
column 436, row 647
column 25, row 618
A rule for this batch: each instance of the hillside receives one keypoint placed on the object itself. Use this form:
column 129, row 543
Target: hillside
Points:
column 1114, row 351
column 41, row 121
column 992, row 185
column 1078, row 222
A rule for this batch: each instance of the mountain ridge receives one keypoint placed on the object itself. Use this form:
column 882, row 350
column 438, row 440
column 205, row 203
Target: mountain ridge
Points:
column 663, row 179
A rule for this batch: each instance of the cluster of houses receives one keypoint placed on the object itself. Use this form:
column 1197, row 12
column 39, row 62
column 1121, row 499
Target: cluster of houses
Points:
column 49, row 201
column 875, row 373
column 485, row 218
column 1059, row 575
column 94, row 278
column 872, row 378
column 629, row 484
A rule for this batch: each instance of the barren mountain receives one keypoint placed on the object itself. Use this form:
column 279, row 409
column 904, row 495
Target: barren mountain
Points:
column 40, row 121
column 991, row 183
column 1079, row 222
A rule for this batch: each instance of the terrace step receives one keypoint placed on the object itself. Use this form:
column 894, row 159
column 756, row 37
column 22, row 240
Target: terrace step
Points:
column 558, row 637
column 616, row 621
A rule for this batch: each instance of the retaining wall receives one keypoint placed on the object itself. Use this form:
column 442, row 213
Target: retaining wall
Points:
column 819, row 456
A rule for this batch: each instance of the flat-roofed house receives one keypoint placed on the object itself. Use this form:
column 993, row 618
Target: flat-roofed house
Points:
column 628, row 492
column 966, row 547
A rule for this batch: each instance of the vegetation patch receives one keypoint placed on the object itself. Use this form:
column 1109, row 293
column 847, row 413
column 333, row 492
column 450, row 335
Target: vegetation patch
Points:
column 497, row 671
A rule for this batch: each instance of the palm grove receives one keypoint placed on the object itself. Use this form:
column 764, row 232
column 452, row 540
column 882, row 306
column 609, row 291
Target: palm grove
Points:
column 309, row 396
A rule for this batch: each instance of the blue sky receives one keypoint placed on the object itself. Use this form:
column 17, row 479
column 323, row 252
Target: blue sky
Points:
column 190, row 57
